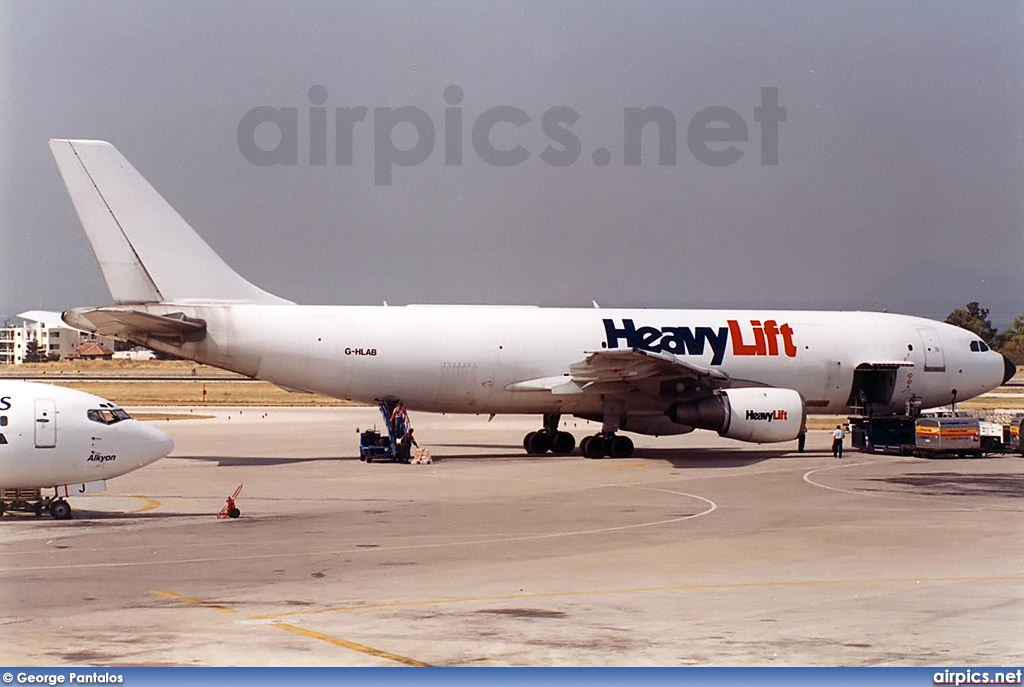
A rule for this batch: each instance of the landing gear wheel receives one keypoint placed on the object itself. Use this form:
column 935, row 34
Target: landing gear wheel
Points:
column 526, row 441
column 60, row 510
column 594, row 447
column 538, row 443
column 549, row 438
column 563, row 443
column 621, row 447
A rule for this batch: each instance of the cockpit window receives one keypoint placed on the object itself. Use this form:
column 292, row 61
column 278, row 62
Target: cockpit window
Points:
column 979, row 346
column 108, row 416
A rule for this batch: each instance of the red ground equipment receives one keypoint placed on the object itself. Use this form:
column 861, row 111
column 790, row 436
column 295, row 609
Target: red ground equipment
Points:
column 229, row 510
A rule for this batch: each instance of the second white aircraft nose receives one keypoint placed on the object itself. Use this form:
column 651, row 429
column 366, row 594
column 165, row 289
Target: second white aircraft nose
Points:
column 154, row 444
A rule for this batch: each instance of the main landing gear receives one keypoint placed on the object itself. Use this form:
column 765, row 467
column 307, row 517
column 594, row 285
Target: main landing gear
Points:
column 550, row 438
column 607, row 444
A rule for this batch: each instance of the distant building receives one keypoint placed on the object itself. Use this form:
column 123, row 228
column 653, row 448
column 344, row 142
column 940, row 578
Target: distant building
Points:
column 91, row 350
column 14, row 340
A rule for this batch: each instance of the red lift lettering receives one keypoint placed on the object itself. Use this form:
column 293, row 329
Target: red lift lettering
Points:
column 765, row 339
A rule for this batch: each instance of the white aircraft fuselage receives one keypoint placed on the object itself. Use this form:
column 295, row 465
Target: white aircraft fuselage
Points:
column 473, row 359
column 51, row 436
column 751, row 375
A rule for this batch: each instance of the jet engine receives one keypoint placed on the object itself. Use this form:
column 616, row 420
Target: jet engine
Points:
column 760, row 415
column 653, row 425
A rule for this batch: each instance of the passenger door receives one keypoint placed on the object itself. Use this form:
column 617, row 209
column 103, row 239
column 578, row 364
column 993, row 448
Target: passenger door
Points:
column 46, row 423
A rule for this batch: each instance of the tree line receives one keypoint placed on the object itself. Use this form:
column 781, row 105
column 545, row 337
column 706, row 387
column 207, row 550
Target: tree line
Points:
column 974, row 318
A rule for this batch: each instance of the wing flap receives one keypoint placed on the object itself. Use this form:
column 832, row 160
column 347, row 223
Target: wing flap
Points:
column 623, row 371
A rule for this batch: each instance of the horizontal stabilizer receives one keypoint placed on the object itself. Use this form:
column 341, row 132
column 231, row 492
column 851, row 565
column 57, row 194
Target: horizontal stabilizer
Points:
column 132, row 324
column 47, row 318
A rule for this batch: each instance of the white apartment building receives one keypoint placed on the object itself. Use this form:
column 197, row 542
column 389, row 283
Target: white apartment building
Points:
column 60, row 340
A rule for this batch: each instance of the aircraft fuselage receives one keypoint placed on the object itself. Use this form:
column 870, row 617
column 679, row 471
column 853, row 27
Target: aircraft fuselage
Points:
column 469, row 359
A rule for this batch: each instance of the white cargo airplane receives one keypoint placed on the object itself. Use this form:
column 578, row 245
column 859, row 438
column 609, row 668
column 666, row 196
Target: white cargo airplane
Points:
column 750, row 375
column 68, row 440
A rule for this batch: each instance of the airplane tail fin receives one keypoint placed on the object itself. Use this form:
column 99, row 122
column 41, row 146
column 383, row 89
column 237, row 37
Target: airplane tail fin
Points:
column 147, row 252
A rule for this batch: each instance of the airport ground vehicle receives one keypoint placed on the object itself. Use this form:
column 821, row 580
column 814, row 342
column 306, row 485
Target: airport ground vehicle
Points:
column 24, row 500
column 947, row 436
column 1016, row 425
column 929, row 436
column 883, row 433
column 377, row 447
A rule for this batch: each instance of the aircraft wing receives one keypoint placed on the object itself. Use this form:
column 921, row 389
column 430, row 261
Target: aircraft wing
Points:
column 125, row 323
column 628, row 370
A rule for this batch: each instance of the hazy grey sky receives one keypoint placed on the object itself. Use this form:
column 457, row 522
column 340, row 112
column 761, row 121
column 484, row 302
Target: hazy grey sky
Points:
column 898, row 183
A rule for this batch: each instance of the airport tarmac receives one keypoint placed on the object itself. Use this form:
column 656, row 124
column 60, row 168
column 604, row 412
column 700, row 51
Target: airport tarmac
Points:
column 697, row 551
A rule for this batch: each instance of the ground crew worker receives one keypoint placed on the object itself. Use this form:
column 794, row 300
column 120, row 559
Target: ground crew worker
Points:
column 406, row 444
column 399, row 420
column 837, row 442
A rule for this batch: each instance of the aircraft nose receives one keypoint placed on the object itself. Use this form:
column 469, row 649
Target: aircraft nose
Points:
column 155, row 444
column 1009, row 370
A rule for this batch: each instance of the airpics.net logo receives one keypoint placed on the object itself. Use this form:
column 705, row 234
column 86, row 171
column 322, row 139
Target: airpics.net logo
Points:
column 407, row 136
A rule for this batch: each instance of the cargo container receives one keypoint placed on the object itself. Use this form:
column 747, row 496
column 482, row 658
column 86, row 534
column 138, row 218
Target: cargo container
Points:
column 947, row 435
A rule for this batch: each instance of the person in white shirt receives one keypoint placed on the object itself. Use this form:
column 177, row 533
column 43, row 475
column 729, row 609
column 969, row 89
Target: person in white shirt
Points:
column 837, row 442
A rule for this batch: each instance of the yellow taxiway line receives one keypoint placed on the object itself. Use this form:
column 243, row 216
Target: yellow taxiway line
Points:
column 337, row 641
column 302, row 632
column 148, row 504
column 195, row 602
column 273, row 619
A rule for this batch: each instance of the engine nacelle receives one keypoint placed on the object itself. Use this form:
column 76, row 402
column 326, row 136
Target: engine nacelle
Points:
column 653, row 425
column 760, row 415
